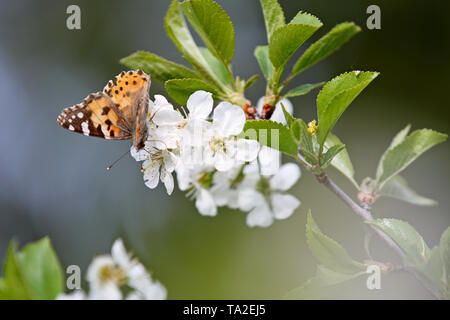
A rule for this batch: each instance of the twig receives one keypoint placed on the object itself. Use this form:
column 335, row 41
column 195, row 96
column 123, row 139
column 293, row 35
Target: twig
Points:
column 366, row 215
column 363, row 213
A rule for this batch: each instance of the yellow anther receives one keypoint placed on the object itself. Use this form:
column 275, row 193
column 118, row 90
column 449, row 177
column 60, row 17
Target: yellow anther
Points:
column 145, row 168
column 111, row 273
column 312, row 127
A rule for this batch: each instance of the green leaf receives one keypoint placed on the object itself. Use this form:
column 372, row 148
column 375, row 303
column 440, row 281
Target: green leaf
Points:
column 41, row 270
column 251, row 81
column 272, row 134
column 213, row 25
column 3, row 290
column 180, row 89
column 326, row 45
column 368, row 234
column 330, row 154
column 445, row 256
column 398, row 188
column 399, row 137
column 407, row 238
column 273, row 16
column 315, row 288
column 306, row 141
column 216, row 66
column 328, row 252
column 157, row 67
column 13, row 285
column 336, row 96
column 405, row 152
column 289, row 118
column 342, row 160
column 296, row 131
column 287, row 39
column 178, row 32
column 32, row 273
column 302, row 89
column 434, row 269
column 262, row 56
column 305, row 18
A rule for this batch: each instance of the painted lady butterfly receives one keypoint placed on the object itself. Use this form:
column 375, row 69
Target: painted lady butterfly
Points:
column 118, row 113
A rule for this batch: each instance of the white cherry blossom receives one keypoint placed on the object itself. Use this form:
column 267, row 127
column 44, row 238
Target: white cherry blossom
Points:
column 213, row 165
column 268, row 201
column 217, row 142
column 197, row 183
column 159, row 166
column 107, row 274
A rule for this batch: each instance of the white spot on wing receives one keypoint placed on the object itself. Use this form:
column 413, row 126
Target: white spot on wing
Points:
column 85, row 128
column 80, row 115
column 71, row 128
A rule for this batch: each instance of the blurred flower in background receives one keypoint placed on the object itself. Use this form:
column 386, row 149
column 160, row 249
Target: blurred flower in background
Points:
column 109, row 275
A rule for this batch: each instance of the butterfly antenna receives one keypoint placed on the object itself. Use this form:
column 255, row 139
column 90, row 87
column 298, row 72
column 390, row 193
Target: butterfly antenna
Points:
column 120, row 158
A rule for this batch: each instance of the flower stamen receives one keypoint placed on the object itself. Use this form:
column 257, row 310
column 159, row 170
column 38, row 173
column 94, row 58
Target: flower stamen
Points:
column 312, row 127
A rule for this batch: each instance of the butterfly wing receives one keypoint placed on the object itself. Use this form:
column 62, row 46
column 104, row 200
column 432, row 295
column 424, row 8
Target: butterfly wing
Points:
column 129, row 91
column 130, row 95
column 96, row 116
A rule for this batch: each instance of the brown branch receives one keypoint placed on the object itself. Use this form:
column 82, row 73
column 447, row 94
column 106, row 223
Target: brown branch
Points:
column 366, row 215
column 356, row 208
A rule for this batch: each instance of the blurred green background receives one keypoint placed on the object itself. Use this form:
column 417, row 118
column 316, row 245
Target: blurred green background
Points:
column 54, row 183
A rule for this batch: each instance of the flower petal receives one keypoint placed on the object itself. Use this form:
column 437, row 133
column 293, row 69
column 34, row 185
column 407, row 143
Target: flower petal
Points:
column 259, row 104
column 105, row 291
column 140, row 155
column 233, row 199
column 284, row 205
column 228, row 119
column 200, row 104
column 170, row 160
column 167, row 179
column 74, row 295
column 134, row 295
column 120, row 255
column 249, row 199
column 269, row 161
column 167, row 117
column 184, row 178
column 196, row 133
column 99, row 262
column 136, row 273
column 246, row 150
column 221, row 188
column 205, row 203
column 278, row 114
column 151, row 173
column 223, row 162
column 161, row 102
column 155, row 291
column 286, row 177
column 260, row 217
column 165, row 137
